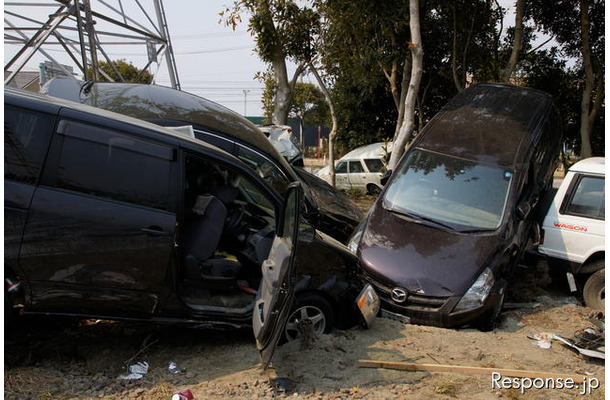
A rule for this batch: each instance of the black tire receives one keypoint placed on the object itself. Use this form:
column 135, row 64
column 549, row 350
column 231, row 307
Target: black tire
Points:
column 373, row 189
column 594, row 292
column 310, row 306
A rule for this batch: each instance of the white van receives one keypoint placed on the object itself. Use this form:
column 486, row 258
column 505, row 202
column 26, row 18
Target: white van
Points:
column 361, row 168
column 574, row 228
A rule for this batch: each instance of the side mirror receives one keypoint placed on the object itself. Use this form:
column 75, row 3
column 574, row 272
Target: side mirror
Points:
column 523, row 210
column 386, row 175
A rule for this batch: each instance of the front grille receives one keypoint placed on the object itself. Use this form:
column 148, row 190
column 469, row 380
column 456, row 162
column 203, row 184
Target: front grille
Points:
column 415, row 301
column 422, row 302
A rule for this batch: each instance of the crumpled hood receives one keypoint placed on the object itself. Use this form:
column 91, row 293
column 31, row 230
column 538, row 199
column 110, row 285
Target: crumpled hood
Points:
column 421, row 258
column 329, row 200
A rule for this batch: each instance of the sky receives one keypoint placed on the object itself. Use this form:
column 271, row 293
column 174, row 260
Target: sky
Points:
column 213, row 61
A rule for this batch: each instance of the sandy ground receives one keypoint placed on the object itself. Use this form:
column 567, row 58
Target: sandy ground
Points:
column 55, row 359
column 59, row 361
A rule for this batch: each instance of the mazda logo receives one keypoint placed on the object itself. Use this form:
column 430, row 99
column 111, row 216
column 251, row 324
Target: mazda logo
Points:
column 399, row 295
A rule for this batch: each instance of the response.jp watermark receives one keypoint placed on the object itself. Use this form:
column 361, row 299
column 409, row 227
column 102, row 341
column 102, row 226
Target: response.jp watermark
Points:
column 584, row 386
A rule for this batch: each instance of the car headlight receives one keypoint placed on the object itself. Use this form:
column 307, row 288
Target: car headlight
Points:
column 354, row 241
column 478, row 292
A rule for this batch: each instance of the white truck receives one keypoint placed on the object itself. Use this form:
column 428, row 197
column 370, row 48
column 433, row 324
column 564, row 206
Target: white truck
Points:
column 573, row 231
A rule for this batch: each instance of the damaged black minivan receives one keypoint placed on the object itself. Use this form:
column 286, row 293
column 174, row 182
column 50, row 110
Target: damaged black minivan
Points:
column 457, row 213
column 111, row 217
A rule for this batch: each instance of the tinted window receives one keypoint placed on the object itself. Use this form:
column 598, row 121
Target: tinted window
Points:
column 26, row 140
column 588, row 198
column 265, row 169
column 355, row 167
column 461, row 193
column 341, row 168
column 101, row 162
column 374, row 164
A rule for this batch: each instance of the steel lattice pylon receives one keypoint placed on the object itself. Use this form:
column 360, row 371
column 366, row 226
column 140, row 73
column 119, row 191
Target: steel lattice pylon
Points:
column 80, row 32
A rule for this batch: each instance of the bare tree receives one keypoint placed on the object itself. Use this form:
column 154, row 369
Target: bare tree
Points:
column 402, row 137
column 333, row 116
column 517, row 43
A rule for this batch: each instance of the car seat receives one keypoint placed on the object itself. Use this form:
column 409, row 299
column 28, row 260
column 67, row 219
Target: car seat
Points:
column 202, row 235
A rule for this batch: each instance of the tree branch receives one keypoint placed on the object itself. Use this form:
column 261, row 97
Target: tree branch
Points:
column 518, row 42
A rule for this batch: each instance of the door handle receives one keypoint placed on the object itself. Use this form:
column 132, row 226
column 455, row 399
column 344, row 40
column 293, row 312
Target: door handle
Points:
column 154, row 231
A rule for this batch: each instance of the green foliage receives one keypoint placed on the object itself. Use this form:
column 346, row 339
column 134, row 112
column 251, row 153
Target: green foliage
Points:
column 361, row 42
column 308, row 104
column 268, row 79
column 278, row 26
column 128, row 72
column 561, row 18
column 546, row 71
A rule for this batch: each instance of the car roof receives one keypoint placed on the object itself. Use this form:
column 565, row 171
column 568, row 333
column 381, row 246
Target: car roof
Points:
column 56, row 104
column 373, row 150
column 154, row 102
column 490, row 123
column 594, row 165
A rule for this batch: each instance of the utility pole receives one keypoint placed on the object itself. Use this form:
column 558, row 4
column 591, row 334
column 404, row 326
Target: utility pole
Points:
column 245, row 100
column 89, row 26
column 86, row 30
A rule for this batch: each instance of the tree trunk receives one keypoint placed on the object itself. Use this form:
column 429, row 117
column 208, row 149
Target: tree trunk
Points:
column 333, row 131
column 517, row 44
column 417, row 53
column 404, row 88
column 456, row 79
column 283, row 91
column 585, row 105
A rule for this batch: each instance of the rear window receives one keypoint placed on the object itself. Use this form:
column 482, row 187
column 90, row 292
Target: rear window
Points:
column 374, row 164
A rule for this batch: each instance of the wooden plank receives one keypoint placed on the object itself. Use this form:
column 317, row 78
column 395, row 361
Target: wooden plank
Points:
column 518, row 373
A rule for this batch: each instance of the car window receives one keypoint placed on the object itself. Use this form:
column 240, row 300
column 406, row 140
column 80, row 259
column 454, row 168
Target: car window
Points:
column 26, row 139
column 374, row 164
column 588, row 198
column 341, row 168
column 464, row 194
column 265, row 169
column 355, row 167
column 203, row 177
column 102, row 162
column 216, row 140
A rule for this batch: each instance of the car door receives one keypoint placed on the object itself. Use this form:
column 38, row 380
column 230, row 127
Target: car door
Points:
column 100, row 230
column 357, row 175
column 276, row 291
column 578, row 229
column 341, row 176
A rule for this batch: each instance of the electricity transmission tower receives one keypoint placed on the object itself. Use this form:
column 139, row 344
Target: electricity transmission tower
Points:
column 80, row 33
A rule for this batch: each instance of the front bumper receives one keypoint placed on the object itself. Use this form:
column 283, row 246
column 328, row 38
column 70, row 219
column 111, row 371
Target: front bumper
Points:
column 434, row 311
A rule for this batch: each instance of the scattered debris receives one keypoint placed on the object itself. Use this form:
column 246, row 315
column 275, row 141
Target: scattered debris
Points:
column 137, row 371
column 543, row 340
column 589, row 342
column 584, row 352
column 183, row 395
column 173, row 368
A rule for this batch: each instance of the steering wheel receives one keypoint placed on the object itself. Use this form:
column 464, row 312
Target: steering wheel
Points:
column 233, row 221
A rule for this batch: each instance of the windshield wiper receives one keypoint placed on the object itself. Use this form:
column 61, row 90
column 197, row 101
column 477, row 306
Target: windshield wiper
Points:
column 481, row 230
column 423, row 218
